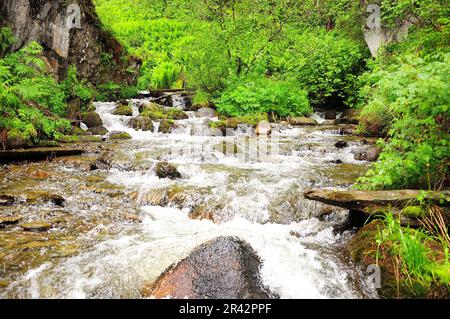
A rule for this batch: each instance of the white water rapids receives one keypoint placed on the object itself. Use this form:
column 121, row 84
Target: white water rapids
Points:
column 258, row 201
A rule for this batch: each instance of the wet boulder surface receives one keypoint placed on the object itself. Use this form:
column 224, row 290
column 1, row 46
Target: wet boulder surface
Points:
column 225, row 267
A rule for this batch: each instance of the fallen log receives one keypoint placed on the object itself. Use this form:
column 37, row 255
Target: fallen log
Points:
column 370, row 203
column 37, row 154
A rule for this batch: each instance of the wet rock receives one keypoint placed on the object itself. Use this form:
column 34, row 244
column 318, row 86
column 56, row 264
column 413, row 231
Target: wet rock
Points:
column 201, row 212
column 98, row 130
column 36, row 226
column 79, row 131
column 166, row 170
column 123, row 110
column 341, row 144
column 370, row 155
column 348, row 129
column 15, row 141
column 118, row 135
column 263, row 128
column 92, row 119
column 330, row 114
column 206, row 112
column 214, row 131
column 6, row 200
column 227, row 148
column 141, row 123
column 223, row 268
column 37, row 154
column 349, row 116
column 103, row 162
column 9, row 220
column 165, row 126
column 148, row 106
column 301, row 121
column 336, row 161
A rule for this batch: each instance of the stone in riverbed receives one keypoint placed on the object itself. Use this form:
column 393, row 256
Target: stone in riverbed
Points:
column 302, row 121
column 118, row 135
column 370, row 155
column 98, row 130
column 36, row 226
column 223, row 268
column 141, row 123
column 123, row 110
column 264, row 128
column 166, row 170
column 341, row 144
column 9, row 220
column 165, row 126
column 92, row 119
column 206, row 112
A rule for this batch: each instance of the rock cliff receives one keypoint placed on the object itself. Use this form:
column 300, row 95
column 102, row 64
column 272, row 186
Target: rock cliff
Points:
column 71, row 34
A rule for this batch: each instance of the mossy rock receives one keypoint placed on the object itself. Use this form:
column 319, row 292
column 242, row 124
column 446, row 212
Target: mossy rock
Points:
column 68, row 139
column 15, row 140
column 36, row 226
column 91, row 119
column 79, row 131
column 141, row 123
column 413, row 211
column 119, row 136
column 165, row 126
column 363, row 249
column 91, row 139
column 47, row 144
column 99, row 130
column 123, row 110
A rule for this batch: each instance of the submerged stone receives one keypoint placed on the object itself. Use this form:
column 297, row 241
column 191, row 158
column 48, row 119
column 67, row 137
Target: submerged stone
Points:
column 36, row 226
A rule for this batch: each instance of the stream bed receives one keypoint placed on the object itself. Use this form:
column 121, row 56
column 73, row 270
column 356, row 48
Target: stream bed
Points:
column 121, row 226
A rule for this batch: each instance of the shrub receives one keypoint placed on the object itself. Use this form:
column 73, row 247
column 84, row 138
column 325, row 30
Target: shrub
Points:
column 261, row 95
column 411, row 101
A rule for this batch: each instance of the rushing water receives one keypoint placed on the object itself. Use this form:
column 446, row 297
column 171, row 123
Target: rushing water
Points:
column 257, row 198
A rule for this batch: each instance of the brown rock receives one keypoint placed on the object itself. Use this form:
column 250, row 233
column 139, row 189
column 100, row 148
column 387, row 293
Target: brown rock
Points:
column 370, row 155
column 301, row 121
column 263, row 128
column 223, row 268
column 92, row 119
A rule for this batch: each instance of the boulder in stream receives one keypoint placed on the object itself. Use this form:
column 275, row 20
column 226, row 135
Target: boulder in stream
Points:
column 341, row 144
column 98, row 130
column 165, row 126
column 141, row 123
column 167, row 170
column 223, row 268
column 302, row 121
column 118, row 135
column 370, row 155
column 92, row 119
column 206, row 112
column 123, row 110
column 263, row 128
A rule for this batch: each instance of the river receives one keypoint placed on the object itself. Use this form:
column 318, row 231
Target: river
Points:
column 257, row 198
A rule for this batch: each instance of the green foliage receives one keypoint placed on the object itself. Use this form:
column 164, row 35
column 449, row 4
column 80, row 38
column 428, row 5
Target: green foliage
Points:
column 410, row 101
column 420, row 265
column 326, row 64
column 201, row 99
column 74, row 88
column 30, row 99
column 113, row 92
column 261, row 95
column 6, row 40
column 165, row 75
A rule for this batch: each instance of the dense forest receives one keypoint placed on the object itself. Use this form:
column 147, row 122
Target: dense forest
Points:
column 272, row 60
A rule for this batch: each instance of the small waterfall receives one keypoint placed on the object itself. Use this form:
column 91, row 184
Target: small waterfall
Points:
column 178, row 101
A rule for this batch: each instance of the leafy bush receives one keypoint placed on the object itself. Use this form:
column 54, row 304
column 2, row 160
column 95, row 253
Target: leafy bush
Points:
column 113, row 92
column 326, row 64
column 261, row 95
column 74, row 88
column 411, row 98
column 30, row 99
column 165, row 75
